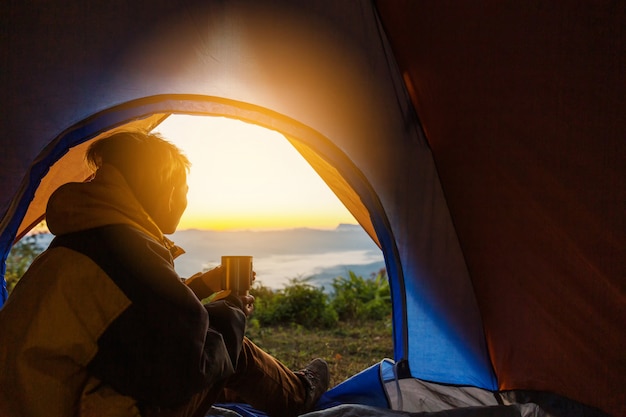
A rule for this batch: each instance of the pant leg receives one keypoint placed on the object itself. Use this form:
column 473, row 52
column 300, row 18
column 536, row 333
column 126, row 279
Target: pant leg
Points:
column 259, row 380
column 266, row 384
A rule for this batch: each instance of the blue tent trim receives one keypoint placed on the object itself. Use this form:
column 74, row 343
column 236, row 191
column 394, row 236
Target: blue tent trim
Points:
column 364, row 388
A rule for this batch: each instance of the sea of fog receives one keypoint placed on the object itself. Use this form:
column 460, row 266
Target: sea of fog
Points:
column 280, row 256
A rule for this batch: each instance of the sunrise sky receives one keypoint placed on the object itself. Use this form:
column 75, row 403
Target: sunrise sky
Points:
column 245, row 177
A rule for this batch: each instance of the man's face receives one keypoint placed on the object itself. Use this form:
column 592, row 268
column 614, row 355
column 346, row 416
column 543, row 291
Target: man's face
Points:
column 179, row 203
column 170, row 212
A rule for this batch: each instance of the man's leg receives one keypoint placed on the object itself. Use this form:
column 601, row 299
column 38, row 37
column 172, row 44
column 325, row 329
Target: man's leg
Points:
column 266, row 384
column 263, row 382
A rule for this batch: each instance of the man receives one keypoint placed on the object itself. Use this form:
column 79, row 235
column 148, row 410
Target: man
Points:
column 101, row 324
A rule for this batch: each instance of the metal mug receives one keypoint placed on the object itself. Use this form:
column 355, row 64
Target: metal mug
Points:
column 237, row 274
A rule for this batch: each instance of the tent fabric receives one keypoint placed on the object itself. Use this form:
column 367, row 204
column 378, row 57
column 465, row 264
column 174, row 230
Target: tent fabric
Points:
column 382, row 391
column 481, row 145
column 527, row 100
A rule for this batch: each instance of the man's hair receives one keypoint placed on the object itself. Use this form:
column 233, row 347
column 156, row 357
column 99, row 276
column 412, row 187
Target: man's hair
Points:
column 140, row 155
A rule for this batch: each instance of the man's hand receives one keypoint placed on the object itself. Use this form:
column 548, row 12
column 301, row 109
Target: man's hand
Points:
column 248, row 304
column 204, row 284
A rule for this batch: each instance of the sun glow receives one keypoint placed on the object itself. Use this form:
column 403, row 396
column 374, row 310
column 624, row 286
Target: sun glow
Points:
column 245, row 177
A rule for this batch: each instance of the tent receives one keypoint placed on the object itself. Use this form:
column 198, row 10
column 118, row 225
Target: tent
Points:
column 481, row 144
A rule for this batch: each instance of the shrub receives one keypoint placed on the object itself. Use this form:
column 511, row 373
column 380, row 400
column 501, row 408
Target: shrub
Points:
column 298, row 303
column 356, row 298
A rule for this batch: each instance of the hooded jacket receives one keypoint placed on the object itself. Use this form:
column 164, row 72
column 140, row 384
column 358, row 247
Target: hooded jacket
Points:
column 101, row 324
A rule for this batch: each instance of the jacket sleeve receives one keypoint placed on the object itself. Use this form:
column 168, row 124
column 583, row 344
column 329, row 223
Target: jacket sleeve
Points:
column 227, row 319
column 165, row 361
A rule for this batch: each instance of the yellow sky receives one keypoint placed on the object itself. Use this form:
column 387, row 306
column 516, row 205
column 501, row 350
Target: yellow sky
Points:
column 245, row 177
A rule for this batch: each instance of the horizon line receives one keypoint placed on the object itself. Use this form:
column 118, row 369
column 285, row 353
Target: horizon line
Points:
column 270, row 229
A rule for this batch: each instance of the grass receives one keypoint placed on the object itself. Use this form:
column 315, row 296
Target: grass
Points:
column 348, row 348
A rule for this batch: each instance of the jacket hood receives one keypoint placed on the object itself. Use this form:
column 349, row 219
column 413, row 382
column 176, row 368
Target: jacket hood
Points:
column 105, row 200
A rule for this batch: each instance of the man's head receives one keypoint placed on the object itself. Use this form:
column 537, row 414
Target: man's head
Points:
column 155, row 170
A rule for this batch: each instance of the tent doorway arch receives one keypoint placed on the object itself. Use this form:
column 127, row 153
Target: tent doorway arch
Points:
column 61, row 162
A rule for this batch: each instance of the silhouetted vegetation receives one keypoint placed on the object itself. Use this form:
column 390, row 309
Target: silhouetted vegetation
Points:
column 22, row 254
